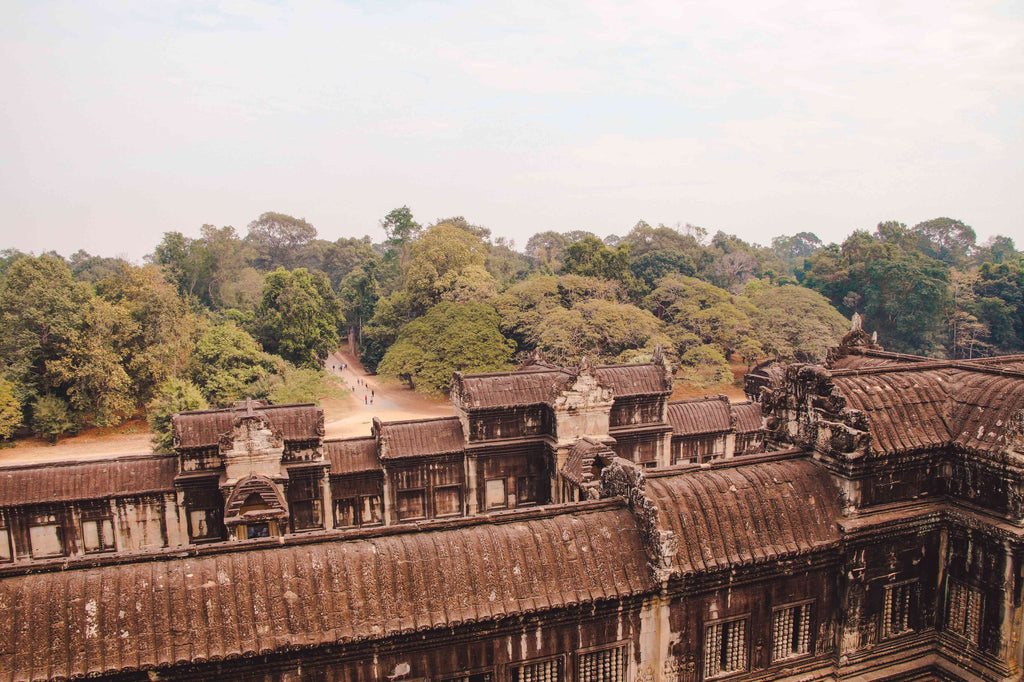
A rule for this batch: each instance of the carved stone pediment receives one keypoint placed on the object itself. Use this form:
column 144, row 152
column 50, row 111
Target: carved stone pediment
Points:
column 257, row 491
column 251, row 447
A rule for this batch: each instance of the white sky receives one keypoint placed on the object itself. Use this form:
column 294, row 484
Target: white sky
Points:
column 123, row 120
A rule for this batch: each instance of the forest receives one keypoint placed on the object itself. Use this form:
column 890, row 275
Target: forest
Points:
column 91, row 340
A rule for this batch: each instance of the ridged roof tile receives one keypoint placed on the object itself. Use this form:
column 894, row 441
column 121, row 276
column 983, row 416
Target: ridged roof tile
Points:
column 103, row 620
column 352, row 455
column 421, row 437
column 87, row 479
column 746, row 417
column 631, row 380
column 699, row 416
column 532, row 386
column 203, row 428
column 731, row 516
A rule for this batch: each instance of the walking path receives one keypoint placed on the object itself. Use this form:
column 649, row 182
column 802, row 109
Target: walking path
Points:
column 371, row 397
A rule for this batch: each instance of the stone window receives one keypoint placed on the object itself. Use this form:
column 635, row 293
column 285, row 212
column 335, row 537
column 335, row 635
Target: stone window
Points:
column 791, row 631
column 606, row 664
column 547, row 670
column 494, row 494
column 526, row 490
column 46, row 536
column 98, row 535
column 411, row 505
column 897, row 604
column 5, row 543
column 205, row 509
column 963, row 613
column 725, row 647
column 362, row 510
column 257, row 530
column 305, row 498
column 204, row 524
column 448, row 500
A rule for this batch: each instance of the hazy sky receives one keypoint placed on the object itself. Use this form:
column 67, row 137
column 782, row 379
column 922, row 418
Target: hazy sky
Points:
column 124, row 120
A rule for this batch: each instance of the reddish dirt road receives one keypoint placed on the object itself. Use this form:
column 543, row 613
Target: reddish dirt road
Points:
column 390, row 401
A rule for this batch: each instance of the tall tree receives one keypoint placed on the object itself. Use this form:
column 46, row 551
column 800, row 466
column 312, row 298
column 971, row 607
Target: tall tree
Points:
column 163, row 333
column 400, row 230
column 792, row 323
column 227, row 363
column 299, row 316
column 450, row 337
column 946, row 240
column 278, row 238
column 92, row 364
column 41, row 308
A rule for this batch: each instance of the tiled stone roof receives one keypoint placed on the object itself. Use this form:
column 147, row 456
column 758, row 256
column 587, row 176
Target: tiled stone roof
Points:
column 136, row 616
column 87, row 480
column 203, row 428
column 419, row 437
column 741, row 514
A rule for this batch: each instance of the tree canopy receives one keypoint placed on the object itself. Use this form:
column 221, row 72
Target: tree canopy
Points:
column 449, row 337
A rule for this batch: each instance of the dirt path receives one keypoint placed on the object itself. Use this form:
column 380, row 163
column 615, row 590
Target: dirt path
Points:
column 371, row 397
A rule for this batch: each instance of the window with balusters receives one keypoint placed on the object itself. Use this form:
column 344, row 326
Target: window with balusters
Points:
column 725, row 647
column 963, row 611
column 897, row 606
column 791, row 631
column 546, row 670
column 607, row 664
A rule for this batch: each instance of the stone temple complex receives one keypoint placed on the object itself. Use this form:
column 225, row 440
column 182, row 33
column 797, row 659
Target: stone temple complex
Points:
column 861, row 520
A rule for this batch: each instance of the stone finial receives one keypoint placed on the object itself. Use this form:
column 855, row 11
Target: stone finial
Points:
column 586, row 366
column 855, row 323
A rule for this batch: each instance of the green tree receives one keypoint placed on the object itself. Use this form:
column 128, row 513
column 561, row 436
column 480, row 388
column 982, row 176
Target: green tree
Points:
column 699, row 313
column 92, row 365
column 345, row 256
column 547, row 249
column 901, row 293
column 299, row 316
column 591, row 258
column 91, row 269
column 40, row 312
column 159, row 342
column 450, row 337
column 704, row 366
column 172, row 396
column 278, row 238
column 653, row 265
column 400, row 230
column 359, row 293
column 946, row 240
column 10, row 409
column 999, row 304
column 794, row 324
column 51, row 418
column 604, row 331
column 444, row 261
column 227, row 363
column 523, row 306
